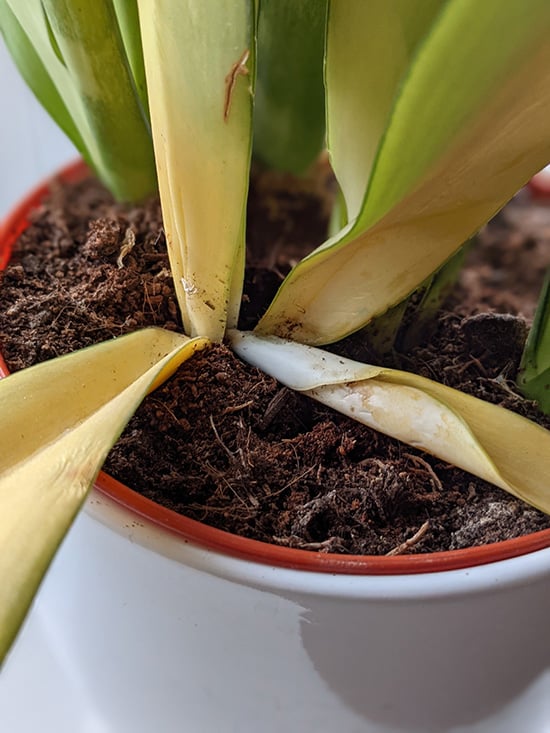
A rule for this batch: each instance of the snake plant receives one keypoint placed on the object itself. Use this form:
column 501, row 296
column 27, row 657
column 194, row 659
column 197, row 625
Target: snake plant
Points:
column 434, row 113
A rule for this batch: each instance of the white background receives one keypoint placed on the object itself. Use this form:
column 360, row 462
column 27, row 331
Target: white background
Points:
column 31, row 145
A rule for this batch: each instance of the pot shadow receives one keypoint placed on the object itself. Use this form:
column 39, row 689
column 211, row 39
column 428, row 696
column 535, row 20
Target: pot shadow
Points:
column 430, row 667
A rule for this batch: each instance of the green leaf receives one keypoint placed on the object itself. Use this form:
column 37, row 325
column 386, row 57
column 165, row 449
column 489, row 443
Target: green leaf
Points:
column 128, row 21
column 289, row 109
column 201, row 113
column 370, row 45
column 433, row 293
column 381, row 334
column 534, row 373
column 405, row 325
column 82, row 52
column 59, row 420
column 493, row 443
column 36, row 76
column 468, row 128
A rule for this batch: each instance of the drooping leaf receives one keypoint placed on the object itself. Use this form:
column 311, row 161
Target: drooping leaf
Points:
column 289, row 105
column 493, row 443
column 82, row 53
column 534, row 374
column 468, row 128
column 201, row 113
column 59, row 420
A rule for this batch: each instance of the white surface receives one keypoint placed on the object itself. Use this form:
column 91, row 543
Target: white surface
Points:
column 135, row 631
column 31, row 146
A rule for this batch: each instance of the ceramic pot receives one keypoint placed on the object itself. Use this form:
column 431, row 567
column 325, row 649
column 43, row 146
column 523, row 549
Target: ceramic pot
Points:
column 148, row 621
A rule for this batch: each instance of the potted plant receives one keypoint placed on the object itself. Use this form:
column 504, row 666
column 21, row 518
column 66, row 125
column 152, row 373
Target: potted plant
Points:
column 421, row 164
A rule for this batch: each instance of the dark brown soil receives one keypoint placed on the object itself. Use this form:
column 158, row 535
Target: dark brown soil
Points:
column 227, row 445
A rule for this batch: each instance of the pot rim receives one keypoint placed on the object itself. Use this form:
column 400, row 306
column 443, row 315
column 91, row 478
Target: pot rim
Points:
column 248, row 549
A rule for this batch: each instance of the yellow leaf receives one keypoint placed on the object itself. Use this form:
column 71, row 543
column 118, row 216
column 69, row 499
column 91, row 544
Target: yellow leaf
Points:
column 493, row 443
column 199, row 60
column 468, row 129
column 377, row 40
column 59, row 420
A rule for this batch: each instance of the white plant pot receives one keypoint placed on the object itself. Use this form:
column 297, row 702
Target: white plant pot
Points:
column 139, row 629
column 136, row 629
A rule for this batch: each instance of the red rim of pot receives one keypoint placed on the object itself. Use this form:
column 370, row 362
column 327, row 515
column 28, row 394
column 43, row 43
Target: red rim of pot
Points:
column 253, row 550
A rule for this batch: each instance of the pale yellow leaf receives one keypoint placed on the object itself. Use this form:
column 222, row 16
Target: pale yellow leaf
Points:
column 493, row 443
column 468, row 129
column 59, row 420
column 199, row 61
